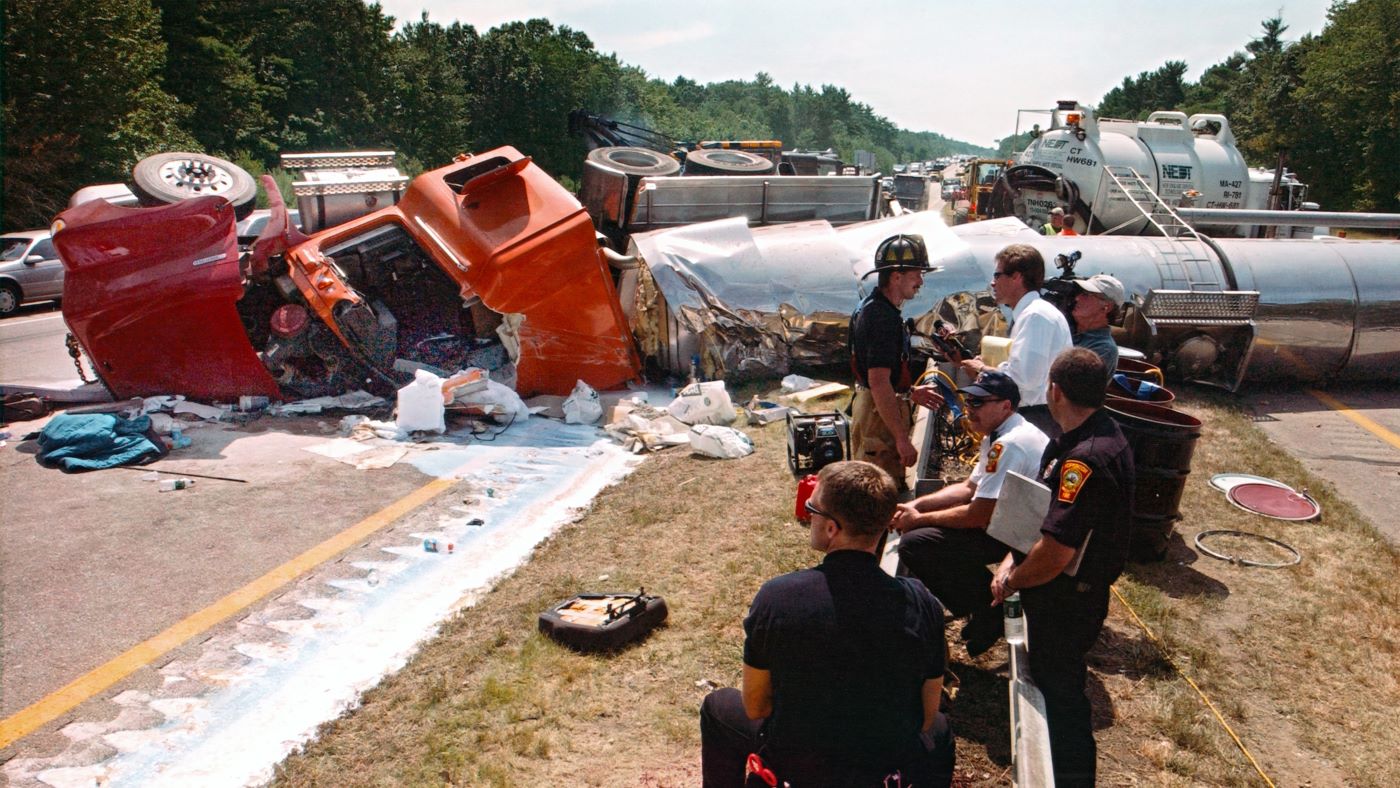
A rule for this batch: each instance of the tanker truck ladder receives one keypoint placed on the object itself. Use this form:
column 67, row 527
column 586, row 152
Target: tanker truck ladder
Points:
column 1185, row 262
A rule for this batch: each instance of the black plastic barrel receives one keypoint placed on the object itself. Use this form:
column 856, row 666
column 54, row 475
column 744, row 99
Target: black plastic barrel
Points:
column 1163, row 441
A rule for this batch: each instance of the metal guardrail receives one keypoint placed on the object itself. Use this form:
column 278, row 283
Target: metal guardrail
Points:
column 1030, row 731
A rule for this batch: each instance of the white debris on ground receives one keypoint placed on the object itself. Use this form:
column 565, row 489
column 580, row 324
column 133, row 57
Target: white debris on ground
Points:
column 703, row 403
column 792, row 383
column 721, row 443
column 639, row 427
column 351, row 400
column 583, row 406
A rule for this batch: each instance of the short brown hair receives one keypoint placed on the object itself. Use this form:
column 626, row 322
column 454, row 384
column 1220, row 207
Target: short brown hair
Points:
column 861, row 496
column 1079, row 374
column 1025, row 260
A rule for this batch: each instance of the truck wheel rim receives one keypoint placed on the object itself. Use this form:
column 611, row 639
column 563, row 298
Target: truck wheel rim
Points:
column 196, row 177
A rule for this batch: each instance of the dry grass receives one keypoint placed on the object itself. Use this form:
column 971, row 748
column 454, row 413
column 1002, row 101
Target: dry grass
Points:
column 1302, row 662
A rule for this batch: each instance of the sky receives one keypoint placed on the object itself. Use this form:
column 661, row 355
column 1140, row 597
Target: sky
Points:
column 961, row 69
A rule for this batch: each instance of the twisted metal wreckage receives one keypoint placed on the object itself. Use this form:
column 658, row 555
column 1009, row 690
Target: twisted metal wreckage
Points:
column 489, row 262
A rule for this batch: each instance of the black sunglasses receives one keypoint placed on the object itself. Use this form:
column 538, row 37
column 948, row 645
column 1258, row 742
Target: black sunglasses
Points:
column 812, row 509
column 1000, row 274
column 976, row 402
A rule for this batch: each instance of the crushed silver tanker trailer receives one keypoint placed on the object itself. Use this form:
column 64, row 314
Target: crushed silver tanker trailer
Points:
column 1223, row 312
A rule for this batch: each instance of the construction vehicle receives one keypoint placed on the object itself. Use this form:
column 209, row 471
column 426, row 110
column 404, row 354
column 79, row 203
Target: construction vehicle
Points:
column 1092, row 167
column 979, row 179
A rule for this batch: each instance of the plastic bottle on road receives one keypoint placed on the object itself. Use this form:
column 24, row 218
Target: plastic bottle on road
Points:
column 168, row 485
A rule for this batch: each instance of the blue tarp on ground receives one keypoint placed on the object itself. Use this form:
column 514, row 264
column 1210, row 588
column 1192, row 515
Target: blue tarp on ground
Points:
column 94, row 441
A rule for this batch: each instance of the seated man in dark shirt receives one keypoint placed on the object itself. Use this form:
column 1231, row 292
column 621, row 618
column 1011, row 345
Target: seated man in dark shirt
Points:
column 843, row 664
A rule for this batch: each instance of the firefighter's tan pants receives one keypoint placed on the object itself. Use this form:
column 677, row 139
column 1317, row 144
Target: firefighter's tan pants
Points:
column 871, row 439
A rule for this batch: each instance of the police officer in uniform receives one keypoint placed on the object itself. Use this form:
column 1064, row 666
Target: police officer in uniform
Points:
column 881, row 415
column 1065, row 578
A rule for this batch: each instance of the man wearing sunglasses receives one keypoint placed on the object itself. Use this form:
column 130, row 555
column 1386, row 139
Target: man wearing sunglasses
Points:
column 1039, row 331
column 944, row 539
column 880, row 409
column 843, row 664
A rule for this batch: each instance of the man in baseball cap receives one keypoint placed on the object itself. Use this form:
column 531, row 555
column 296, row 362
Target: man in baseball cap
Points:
column 944, row 540
column 1057, row 220
column 1095, row 306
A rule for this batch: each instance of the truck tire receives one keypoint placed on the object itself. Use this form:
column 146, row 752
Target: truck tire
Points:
column 639, row 162
column 726, row 162
column 170, row 177
column 642, row 616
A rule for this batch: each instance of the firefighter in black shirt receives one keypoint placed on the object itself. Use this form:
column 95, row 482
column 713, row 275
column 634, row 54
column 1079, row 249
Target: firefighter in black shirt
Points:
column 881, row 415
column 1064, row 580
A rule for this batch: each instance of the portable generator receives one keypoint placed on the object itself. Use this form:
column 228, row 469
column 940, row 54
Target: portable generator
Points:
column 816, row 440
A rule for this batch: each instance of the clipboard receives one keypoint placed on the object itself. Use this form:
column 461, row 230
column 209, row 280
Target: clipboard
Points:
column 1020, row 511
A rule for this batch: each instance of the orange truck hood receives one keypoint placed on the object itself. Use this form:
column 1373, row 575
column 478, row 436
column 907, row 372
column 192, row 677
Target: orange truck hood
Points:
column 507, row 232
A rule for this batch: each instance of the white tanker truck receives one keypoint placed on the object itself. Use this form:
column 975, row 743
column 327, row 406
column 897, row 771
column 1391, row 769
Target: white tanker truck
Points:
column 1187, row 161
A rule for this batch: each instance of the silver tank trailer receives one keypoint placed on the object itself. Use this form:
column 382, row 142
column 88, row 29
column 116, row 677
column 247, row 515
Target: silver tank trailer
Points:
column 1224, row 311
column 1234, row 310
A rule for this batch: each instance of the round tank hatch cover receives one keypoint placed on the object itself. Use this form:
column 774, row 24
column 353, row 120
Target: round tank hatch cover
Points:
column 1225, row 482
column 1281, row 503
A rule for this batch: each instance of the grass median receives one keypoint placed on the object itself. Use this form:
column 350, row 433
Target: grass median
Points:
column 1300, row 662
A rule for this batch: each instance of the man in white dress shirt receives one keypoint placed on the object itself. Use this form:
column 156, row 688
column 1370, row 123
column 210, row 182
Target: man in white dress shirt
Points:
column 1039, row 331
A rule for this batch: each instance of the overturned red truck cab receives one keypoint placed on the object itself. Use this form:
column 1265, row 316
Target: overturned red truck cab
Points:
column 487, row 262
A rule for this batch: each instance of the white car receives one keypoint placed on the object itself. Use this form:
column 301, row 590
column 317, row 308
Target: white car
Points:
column 30, row 270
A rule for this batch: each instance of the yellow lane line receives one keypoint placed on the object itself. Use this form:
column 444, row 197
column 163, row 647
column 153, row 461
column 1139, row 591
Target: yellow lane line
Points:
column 1362, row 421
column 63, row 700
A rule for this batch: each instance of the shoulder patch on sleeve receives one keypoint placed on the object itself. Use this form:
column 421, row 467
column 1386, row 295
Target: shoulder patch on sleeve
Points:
column 993, row 454
column 1073, row 474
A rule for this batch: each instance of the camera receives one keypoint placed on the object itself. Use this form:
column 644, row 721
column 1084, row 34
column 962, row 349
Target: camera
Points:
column 816, row 440
column 1062, row 290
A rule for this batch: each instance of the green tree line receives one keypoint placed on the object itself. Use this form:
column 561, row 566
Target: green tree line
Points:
column 1328, row 104
column 92, row 86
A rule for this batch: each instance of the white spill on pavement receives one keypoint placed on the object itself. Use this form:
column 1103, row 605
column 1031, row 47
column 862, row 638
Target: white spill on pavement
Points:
column 254, row 692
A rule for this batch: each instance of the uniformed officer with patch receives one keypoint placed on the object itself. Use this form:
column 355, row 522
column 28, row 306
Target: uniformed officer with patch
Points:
column 1064, row 580
column 944, row 540
column 880, row 412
